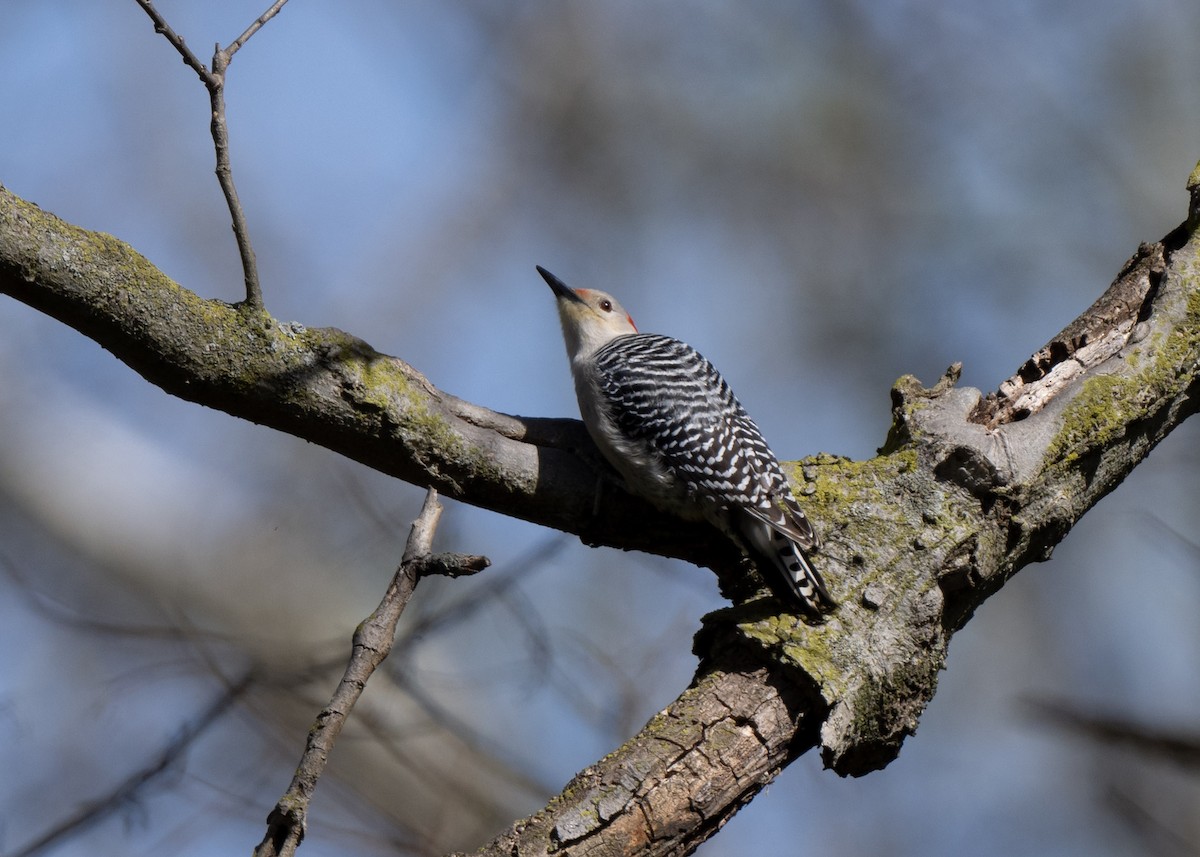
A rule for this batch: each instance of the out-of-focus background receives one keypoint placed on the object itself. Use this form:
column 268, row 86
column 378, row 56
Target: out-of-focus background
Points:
column 821, row 196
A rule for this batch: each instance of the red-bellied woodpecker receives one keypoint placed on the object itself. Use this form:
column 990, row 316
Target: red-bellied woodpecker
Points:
column 666, row 420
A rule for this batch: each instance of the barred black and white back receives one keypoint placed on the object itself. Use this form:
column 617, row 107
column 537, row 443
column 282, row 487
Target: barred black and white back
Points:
column 670, row 424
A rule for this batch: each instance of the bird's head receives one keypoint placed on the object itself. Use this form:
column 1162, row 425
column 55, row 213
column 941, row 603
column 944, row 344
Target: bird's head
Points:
column 590, row 319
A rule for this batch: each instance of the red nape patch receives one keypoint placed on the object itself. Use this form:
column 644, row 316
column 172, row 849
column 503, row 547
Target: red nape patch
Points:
column 629, row 319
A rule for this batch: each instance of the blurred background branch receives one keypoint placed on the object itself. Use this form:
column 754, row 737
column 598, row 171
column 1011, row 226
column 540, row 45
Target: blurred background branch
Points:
column 819, row 196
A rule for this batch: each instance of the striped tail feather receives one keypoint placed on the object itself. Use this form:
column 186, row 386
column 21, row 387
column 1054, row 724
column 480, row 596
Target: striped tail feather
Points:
column 787, row 570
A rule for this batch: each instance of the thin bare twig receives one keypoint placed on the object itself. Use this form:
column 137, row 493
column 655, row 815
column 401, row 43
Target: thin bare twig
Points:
column 372, row 642
column 163, row 28
column 220, row 135
column 214, row 82
column 237, row 43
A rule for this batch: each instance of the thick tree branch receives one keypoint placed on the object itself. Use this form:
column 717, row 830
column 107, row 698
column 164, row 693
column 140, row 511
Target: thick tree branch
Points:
column 967, row 490
column 324, row 386
column 960, row 499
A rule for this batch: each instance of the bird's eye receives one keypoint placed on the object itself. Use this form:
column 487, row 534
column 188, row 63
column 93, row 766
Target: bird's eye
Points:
column 606, row 306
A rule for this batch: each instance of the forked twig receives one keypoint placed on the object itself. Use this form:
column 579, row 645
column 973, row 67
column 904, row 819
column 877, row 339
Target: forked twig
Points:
column 372, row 643
column 214, row 82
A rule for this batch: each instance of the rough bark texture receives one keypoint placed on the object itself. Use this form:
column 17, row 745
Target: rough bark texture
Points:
column 967, row 490
column 323, row 385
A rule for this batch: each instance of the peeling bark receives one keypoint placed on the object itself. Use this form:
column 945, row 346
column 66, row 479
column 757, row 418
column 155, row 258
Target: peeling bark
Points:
column 967, row 490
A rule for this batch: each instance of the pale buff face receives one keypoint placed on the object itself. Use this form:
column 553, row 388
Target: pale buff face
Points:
column 590, row 319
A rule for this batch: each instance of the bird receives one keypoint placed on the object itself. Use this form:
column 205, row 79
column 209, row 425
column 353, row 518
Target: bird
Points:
column 665, row 419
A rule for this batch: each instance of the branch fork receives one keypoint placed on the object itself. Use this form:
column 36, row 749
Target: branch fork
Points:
column 372, row 643
column 214, row 82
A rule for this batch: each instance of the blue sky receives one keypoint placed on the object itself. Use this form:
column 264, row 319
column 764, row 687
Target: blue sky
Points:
column 821, row 197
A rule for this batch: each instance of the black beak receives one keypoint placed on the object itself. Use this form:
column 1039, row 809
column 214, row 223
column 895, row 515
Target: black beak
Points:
column 560, row 289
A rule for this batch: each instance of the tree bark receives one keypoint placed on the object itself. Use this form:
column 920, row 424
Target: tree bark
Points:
column 967, row 490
